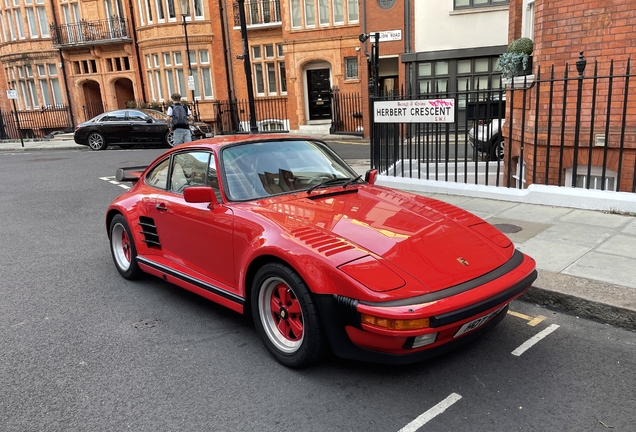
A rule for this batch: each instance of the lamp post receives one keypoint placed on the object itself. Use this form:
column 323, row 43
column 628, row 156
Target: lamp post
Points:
column 185, row 11
column 247, row 66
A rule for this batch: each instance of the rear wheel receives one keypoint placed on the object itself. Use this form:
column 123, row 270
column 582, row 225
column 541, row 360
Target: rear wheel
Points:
column 169, row 139
column 96, row 141
column 286, row 316
column 122, row 247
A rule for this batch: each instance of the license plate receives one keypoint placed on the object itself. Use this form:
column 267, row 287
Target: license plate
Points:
column 472, row 325
column 209, row 134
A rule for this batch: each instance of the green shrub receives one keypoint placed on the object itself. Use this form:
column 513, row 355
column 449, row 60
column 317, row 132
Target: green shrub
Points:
column 522, row 45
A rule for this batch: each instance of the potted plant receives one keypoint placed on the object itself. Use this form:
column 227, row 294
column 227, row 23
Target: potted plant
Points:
column 518, row 60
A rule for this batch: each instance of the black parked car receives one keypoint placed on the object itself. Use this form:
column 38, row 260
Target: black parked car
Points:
column 132, row 126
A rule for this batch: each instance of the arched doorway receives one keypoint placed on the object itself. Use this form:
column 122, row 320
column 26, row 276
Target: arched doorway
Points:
column 124, row 92
column 93, row 104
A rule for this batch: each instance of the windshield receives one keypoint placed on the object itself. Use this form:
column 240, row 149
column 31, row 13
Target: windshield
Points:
column 258, row 170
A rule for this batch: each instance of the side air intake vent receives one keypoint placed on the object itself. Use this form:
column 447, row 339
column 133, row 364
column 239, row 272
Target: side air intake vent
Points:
column 149, row 231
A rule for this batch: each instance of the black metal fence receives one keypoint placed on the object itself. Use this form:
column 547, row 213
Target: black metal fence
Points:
column 90, row 32
column 347, row 113
column 568, row 129
column 35, row 123
column 234, row 116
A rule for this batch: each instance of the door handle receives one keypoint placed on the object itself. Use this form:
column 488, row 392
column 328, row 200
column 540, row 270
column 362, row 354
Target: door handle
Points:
column 161, row 207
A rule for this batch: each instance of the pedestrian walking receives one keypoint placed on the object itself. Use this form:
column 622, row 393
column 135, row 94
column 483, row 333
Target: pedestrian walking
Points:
column 179, row 117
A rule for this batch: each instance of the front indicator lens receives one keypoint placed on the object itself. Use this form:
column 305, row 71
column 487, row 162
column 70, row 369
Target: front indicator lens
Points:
column 395, row 324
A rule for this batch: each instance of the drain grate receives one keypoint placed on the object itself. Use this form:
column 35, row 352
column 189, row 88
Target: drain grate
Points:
column 146, row 323
column 507, row 228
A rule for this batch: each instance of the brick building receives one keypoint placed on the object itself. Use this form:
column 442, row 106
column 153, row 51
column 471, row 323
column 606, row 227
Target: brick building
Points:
column 96, row 56
column 604, row 138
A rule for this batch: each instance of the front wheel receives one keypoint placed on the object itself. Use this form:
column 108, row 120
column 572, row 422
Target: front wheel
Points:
column 122, row 248
column 96, row 141
column 286, row 316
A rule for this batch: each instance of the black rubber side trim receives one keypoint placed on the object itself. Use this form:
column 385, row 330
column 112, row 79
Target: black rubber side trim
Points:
column 475, row 309
column 514, row 262
column 196, row 282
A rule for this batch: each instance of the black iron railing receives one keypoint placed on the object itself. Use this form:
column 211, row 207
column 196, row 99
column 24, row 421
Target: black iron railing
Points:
column 113, row 29
column 347, row 113
column 233, row 116
column 259, row 12
column 35, row 123
column 572, row 130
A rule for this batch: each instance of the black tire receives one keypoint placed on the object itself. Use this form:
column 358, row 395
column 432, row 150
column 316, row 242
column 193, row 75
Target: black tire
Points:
column 168, row 139
column 292, row 334
column 123, row 249
column 96, row 141
column 497, row 148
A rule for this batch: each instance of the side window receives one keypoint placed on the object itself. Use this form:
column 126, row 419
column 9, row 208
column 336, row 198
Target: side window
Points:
column 158, row 176
column 194, row 169
column 137, row 116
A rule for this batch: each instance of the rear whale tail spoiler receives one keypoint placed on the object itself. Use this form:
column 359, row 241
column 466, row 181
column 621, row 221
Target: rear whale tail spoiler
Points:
column 129, row 174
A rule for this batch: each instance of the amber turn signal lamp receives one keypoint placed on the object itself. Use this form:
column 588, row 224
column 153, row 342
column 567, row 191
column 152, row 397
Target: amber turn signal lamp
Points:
column 395, row 324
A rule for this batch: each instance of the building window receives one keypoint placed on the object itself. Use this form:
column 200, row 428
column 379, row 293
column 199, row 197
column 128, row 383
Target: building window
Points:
column 269, row 70
column 386, row 4
column 463, row 4
column 329, row 12
column 528, row 20
column 595, row 181
column 351, row 68
column 37, row 85
column 117, row 64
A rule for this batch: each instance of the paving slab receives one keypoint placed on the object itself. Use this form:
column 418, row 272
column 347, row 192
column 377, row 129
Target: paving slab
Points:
column 605, row 268
column 595, row 218
column 483, row 206
column 553, row 256
column 630, row 227
column 534, row 213
column 619, row 244
column 575, row 233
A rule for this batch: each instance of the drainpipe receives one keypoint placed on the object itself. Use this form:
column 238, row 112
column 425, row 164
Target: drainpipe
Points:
column 59, row 50
column 407, row 42
column 134, row 41
column 229, row 74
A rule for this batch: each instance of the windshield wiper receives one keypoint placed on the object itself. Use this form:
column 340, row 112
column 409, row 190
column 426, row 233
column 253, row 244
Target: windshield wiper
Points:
column 331, row 181
column 347, row 183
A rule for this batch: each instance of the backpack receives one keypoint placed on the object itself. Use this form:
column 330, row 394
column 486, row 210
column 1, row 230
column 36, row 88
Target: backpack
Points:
column 179, row 116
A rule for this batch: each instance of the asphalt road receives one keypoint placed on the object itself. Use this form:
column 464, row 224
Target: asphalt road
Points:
column 82, row 349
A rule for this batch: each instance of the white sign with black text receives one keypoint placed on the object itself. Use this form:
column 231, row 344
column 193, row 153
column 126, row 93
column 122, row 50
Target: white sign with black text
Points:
column 12, row 94
column 387, row 35
column 415, row 111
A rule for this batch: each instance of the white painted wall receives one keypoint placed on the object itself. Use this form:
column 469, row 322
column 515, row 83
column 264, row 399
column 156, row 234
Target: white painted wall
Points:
column 437, row 27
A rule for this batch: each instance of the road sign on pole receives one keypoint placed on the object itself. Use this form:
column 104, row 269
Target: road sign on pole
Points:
column 12, row 94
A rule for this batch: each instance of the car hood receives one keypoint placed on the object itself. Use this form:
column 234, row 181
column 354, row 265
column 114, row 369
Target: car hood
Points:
column 429, row 240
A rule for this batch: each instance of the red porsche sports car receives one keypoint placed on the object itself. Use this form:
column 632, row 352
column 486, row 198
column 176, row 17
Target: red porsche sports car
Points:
column 280, row 227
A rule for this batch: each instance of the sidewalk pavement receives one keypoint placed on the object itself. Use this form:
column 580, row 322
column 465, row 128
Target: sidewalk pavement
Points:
column 586, row 259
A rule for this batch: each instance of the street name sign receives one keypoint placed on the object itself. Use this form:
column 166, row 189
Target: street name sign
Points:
column 415, row 111
column 12, row 94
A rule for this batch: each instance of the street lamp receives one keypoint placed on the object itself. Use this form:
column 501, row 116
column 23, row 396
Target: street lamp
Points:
column 185, row 11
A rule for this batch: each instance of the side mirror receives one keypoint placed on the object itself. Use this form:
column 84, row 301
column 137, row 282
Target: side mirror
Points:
column 371, row 176
column 200, row 194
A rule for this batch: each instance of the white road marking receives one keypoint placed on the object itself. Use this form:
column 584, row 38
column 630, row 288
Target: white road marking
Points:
column 534, row 339
column 431, row 414
column 110, row 180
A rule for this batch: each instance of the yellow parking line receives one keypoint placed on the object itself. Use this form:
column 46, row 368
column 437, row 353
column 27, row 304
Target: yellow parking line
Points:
column 532, row 321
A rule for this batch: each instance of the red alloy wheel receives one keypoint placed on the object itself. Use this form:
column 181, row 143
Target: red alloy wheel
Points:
column 281, row 315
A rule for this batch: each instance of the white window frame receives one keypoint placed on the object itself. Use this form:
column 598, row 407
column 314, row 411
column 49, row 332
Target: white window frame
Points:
column 333, row 8
column 352, row 5
column 170, row 9
column 527, row 22
column 309, row 7
column 17, row 13
column 596, row 172
column 296, row 14
column 201, row 8
column 141, row 13
column 206, row 80
column 148, row 8
column 43, row 21
column 324, row 17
